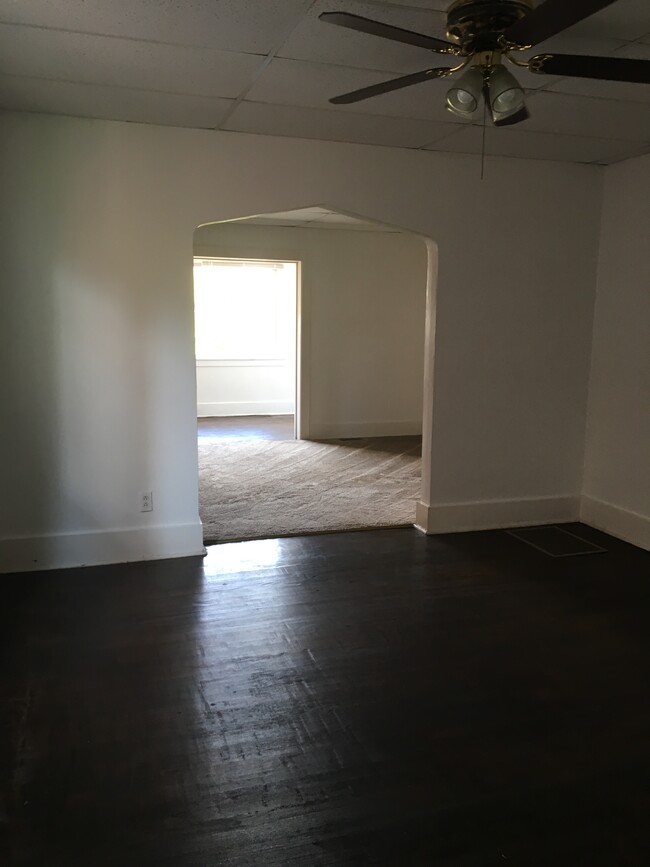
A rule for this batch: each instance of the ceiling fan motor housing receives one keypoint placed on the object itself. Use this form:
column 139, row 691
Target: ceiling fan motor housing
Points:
column 478, row 25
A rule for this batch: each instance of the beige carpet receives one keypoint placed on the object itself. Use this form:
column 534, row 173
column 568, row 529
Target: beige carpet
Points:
column 252, row 489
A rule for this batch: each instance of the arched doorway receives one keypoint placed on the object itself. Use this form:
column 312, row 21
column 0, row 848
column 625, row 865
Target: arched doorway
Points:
column 377, row 332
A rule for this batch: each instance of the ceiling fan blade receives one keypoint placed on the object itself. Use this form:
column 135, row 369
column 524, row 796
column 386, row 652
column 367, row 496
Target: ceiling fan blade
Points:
column 522, row 114
column 387, row 31
column 585, row 66
column 387, row 86
column 550, row 18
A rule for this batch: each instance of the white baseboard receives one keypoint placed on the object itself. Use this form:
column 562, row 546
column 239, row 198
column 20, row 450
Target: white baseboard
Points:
column 242, row 407
column 354, row 430
column 496, row 514
column 67, row 550
column 629, row 526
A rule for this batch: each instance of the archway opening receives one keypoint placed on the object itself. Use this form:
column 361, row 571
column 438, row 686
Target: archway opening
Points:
column 359, row 455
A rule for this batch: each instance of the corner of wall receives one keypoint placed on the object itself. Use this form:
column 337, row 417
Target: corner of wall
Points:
column 614, row 481
column 616, row 521
column 603, row 175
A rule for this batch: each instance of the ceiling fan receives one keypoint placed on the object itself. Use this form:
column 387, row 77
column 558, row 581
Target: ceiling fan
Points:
column 484, row 32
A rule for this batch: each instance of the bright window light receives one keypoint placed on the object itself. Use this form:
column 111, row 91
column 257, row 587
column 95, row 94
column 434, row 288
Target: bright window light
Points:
column 243, row 308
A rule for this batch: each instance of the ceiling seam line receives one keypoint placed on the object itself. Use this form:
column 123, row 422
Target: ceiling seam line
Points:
column 128, row 87
column 267, row 60
column 97, row 35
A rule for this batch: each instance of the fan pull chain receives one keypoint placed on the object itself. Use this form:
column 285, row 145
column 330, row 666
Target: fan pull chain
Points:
column 483, row 138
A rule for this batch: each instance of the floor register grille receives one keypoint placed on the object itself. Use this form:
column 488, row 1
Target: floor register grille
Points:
column 556, row 541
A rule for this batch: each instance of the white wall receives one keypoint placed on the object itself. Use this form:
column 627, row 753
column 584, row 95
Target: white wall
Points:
column 96, row 334
column 617, row 465
column 363, row 308
column 245, row 387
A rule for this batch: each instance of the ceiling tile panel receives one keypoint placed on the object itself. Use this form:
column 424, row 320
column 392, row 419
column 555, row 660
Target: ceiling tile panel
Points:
column 316, row 41
column 626, row 20
column 539, row 146
column 285, row 120
column 293, row 82
column 125, row 63
column 110, row 103
column 153, row 51
column 583, row 116
column 255, row 26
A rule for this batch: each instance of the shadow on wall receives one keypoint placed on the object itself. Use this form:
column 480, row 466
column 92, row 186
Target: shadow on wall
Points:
column 75, row 342
column 30, row 362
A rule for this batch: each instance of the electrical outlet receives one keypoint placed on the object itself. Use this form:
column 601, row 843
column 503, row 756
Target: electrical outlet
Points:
column 146, row 501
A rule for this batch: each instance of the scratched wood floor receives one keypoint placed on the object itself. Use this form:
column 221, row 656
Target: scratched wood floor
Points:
column 374, row 698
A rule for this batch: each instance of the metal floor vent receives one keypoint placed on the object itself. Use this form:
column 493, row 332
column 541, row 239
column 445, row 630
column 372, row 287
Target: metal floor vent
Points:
column 555, row 541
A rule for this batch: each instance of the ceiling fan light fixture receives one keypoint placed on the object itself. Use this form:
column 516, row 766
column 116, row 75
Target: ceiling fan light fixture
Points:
column 506, row 94
column 463, row 99
column 482, row 32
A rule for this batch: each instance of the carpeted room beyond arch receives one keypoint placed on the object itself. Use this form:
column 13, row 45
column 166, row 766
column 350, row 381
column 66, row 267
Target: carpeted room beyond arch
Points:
column 251, row 489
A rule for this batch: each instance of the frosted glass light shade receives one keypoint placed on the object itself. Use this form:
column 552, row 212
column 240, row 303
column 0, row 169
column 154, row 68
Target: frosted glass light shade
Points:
column 506, row 94
column 463, row 99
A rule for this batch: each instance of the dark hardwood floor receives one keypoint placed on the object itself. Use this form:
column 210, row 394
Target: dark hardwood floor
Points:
column 259, row 427
column 373, row 698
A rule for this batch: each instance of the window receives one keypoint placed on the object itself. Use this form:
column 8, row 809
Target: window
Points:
column 243, row 308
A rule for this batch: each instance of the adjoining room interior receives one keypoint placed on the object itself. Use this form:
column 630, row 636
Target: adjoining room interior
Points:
column 344, row 376
column 469, row 692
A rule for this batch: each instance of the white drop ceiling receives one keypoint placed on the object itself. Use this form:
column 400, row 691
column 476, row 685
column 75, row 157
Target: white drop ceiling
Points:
column 270, row 66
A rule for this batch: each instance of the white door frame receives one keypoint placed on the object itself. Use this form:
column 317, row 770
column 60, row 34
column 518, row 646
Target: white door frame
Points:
column 301, row 377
